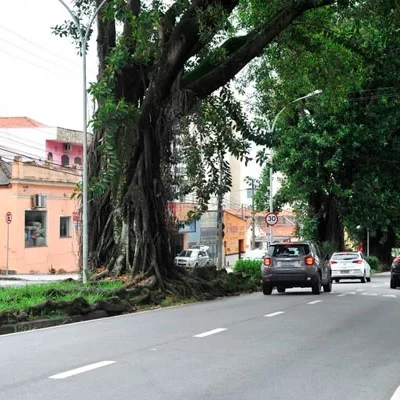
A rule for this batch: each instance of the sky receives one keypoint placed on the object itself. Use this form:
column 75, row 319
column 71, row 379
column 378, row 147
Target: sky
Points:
column 40, row 73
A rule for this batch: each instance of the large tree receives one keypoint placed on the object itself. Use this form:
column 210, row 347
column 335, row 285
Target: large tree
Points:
column 341, row 159
column 156, row 64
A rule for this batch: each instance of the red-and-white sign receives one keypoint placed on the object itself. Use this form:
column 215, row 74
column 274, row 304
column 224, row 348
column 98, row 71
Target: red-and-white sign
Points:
column 8, row 217
column 271, row 219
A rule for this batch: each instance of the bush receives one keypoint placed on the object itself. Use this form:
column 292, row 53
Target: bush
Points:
column 249, row 267
column 373, row 262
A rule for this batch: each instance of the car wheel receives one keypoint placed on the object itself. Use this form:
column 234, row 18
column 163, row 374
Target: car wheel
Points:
column 267, row 289
column 363, row 279
column 368, row 279
column 281, row 289
column 195, row 265
column 316, row 287
column 393, row 283
column 328, row 286
column 337, row 280
column 207, row 264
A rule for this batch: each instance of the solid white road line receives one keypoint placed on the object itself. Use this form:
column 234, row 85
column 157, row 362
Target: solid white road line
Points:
column 396, row 394
column 208, row 333
column 389, row 295
column 274, row 314
column 81, row 370
column 341, row 295
column 314, row 302
column 351, row 293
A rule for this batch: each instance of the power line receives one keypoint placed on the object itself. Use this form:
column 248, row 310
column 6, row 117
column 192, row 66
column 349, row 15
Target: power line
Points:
column 37, row 45
column 27, row 61
column 37, row 55
column 38, row 160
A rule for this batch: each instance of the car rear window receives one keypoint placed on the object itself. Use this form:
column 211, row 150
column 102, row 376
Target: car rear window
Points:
column 345, row 256
column 288, row 250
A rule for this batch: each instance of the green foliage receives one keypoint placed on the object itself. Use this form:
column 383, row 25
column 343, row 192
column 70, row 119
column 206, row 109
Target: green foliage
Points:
column 344, row 149
column 217, row 130
column 249, row 267
column 14, row 298
column 373, row 262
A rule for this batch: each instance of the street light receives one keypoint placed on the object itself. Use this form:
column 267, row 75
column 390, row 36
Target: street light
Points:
column 271, row 130
column 84, row 39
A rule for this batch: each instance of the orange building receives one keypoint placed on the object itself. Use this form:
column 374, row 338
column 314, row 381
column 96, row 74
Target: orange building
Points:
column 44, row 229
column 235, row 234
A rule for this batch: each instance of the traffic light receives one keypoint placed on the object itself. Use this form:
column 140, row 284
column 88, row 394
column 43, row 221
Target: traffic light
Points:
column 222, row 229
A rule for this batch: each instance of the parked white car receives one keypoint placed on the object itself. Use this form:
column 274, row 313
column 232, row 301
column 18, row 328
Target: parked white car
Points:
column 350, row 265
column 192, row 258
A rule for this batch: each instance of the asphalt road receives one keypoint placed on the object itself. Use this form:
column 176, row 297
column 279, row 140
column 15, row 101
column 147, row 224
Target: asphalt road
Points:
column 341, row 345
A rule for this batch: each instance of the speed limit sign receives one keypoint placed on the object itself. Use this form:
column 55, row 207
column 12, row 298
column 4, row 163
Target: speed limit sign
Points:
column 271, row 218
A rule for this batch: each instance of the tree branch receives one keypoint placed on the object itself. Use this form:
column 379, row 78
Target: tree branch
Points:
column 106, row 37
column 184, row 40
column 210, row 76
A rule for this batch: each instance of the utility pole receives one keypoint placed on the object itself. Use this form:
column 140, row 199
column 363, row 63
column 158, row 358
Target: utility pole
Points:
column 220, row 212
column 271, row 203
column 253, row 218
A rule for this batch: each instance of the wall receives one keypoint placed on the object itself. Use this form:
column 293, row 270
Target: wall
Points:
column 235, row 237
column 56, row 148
column 57, row 252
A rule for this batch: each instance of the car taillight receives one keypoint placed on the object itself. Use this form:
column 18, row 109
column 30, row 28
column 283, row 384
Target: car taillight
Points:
column 310, row 260
column 332, row 262
column 267, row 261
column 357, row 262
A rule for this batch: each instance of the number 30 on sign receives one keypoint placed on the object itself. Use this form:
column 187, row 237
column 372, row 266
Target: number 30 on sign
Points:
column 271, row 219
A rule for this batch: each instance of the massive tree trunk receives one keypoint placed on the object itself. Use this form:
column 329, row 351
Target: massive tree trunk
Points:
column 129, row 221
column 329, row 225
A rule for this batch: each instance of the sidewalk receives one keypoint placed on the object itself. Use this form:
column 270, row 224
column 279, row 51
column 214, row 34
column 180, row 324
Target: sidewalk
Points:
column 28, row 279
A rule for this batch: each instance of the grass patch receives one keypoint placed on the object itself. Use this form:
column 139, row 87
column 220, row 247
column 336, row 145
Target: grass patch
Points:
column 18, row 298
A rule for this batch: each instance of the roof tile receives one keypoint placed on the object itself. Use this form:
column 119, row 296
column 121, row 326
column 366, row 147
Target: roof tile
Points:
column 20, row 122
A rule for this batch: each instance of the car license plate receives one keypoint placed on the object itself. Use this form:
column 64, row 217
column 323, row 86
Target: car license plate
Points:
column 344, row 271
column 284, row 264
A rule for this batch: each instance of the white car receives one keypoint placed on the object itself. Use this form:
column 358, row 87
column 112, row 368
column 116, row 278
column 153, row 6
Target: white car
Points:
column 350, row 265
column 192, row 258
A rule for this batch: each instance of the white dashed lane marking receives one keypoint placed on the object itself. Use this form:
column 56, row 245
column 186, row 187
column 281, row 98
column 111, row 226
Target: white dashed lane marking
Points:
column 341, row 295
column 81, row 370
column 209, row 333
column 389, row 295
column 274, row 314
column 314, row 302
column 360, row 290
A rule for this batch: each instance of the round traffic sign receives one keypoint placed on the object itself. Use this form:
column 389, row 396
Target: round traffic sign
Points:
column 8, row 217
column 271, row 218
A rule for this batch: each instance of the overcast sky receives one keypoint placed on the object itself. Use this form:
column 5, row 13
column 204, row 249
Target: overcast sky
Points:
column 40, row 73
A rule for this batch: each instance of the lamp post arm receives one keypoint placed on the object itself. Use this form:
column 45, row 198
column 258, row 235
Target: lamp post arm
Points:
column 75, row 19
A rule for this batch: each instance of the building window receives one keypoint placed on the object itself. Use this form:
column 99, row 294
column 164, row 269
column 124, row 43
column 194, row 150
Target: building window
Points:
column 65, row 227
column 77, row 161
column 65, row 160
column 50, row 156
column 35, row 228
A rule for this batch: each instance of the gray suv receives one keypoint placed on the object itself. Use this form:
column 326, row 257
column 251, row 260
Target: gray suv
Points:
column 297, row 264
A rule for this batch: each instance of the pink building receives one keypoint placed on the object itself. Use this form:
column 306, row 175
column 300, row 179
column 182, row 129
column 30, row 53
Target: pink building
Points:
column 44, row 231
column 34, row 141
